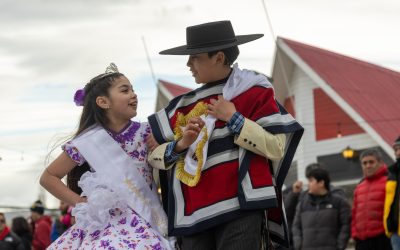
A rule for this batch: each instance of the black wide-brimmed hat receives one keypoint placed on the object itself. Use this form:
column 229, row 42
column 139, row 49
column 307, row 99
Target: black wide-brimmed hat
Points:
column 209, row 37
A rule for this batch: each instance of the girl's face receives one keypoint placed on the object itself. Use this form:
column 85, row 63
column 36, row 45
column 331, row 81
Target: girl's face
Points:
column 122, row 100
column 202, row 67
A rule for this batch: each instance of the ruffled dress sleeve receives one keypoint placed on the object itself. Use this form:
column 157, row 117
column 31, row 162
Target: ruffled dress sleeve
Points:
column 73, row 153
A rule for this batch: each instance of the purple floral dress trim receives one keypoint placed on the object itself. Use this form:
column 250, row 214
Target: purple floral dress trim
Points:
column 126, row 230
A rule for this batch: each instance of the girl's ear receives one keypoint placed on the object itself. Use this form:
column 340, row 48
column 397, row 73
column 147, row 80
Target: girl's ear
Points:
column 103, row 102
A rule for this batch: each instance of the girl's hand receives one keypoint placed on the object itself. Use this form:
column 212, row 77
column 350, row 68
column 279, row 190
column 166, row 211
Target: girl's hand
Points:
column 192, row 131
column 221, row 109
column 151, row 142
column 81, row 199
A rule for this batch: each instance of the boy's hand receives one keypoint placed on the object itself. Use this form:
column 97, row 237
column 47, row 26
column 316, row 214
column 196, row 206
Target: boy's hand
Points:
column 297, row 187
column 192, row 131
column 151, row 142
column 221, row 109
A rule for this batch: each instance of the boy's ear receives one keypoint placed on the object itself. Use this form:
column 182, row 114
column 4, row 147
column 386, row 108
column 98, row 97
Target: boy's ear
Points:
column 103, row 102
column 220, row 57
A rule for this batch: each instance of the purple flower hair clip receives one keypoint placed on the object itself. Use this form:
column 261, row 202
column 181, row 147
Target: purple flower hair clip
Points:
column 79, row 97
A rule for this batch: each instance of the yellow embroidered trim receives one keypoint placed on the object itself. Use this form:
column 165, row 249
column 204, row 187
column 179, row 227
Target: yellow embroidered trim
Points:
column 157, row 219
column 181, row 121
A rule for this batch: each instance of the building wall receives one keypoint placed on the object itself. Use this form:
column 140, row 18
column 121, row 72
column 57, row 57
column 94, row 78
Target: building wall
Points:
column 302, row 88
column 330, row 119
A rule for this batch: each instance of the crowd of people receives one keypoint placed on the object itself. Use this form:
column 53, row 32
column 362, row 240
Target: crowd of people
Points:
column 321, row 217
column 35, row 232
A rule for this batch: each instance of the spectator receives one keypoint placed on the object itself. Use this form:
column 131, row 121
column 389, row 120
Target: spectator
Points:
column 8, row 239
column 41, row 227
column 369, row 197
column 62, row 223
column 391, row 214
column 322, row 219
column 21, row 228
column 296, row 194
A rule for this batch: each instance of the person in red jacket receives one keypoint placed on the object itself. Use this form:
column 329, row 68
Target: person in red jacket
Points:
column 41, row 227
column 369, row 199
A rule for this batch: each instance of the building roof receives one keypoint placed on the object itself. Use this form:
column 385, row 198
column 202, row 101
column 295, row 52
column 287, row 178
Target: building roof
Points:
column 368, row 92
column 174, row 89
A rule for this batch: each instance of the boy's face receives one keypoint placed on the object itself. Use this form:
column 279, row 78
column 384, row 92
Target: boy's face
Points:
column 315, row 187
column 203, row 68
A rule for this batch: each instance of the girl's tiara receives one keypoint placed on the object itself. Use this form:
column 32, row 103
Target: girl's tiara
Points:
column 79, row 97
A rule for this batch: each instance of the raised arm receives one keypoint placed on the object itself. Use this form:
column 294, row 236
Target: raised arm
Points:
column 51, row 179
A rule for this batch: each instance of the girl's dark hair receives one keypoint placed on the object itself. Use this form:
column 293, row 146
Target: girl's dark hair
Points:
column 19, row 225
column 231, row 54
column 91, row 114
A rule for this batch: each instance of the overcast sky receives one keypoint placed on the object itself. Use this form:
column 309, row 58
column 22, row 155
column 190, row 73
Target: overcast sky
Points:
column 50, row 48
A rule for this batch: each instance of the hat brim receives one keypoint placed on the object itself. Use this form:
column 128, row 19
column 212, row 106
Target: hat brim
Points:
column 184, row 50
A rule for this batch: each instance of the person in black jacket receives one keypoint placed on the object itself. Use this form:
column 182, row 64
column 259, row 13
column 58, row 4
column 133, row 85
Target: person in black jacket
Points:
column 322, row 219
column 8, row 239
column 392, row 200
column 294, row 194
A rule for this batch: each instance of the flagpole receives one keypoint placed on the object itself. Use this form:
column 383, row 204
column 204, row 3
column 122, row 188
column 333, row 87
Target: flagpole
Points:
column 149, row 60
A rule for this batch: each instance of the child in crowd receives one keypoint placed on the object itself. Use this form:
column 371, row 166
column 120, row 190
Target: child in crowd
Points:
column 322, row 218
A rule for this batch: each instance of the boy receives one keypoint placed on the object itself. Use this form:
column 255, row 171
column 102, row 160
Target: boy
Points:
column 228, row 146
column 322, row 219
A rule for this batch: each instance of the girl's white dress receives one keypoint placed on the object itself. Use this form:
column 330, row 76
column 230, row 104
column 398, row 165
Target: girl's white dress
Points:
column 124, row 229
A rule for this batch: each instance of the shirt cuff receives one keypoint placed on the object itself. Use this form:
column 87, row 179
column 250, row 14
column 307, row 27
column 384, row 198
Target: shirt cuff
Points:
column 235, row 124
column 170, row 155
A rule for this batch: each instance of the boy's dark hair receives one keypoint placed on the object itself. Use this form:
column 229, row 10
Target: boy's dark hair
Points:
column 320, row 174
column 312, row 166
column 91, row 114
column 371, row 152
column 231, row 54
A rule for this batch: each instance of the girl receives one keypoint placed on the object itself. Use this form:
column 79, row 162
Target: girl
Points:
column 108, row 179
